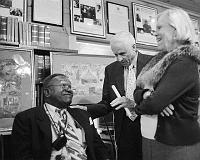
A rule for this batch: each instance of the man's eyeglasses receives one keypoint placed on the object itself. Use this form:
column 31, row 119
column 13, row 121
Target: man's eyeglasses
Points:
column 63, row 86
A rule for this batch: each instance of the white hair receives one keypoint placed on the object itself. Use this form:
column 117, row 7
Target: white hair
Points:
column 123, row 37
column 180, row 20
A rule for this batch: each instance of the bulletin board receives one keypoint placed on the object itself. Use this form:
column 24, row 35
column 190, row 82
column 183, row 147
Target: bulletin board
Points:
column 16, row 85
column 86, row 72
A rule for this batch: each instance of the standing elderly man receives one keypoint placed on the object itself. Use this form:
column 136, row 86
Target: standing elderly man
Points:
column 127, row 131
column 55, row 131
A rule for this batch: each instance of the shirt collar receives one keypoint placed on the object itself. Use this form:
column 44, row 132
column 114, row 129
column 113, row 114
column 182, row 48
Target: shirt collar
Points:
column 53, row 111
column 51, row 108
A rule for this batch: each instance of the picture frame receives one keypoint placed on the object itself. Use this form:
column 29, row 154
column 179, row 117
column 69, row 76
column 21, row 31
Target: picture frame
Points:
column 48, row 12
column 144, row 18
column 117, row 13
column 196, row 28
column 13, row 8
column 16, row 85
column 86, row 73
column 87, row 18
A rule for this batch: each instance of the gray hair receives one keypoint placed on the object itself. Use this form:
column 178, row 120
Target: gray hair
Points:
column 123, row 37
column 180, row 20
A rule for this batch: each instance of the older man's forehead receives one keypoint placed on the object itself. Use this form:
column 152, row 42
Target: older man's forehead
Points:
column 61, row 79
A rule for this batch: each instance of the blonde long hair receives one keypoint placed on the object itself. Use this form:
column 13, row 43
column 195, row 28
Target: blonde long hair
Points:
column 180, row 20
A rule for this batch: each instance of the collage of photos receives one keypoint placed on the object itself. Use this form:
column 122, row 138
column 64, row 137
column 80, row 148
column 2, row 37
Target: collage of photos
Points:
column 88, row 17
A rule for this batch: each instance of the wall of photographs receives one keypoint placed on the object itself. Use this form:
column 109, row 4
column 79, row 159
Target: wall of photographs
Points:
column 93, row 21
column 98, row 21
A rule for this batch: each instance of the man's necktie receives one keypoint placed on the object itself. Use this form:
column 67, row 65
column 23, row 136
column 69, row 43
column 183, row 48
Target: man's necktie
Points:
column 74, row 147
column 130, row 87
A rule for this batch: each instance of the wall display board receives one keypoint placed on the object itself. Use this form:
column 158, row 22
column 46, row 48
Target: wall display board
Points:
column 48, row 11
column 13, row 8
column 144, row 24
column 87, row 17
column 116, row 14
column 86, row 73
column 16, row 85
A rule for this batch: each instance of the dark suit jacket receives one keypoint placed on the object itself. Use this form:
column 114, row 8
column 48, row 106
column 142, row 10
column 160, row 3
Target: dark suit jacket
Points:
column 32, row 137
column 114, row 75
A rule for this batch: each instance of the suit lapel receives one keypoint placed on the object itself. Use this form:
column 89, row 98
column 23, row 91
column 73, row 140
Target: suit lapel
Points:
column 118, row 75
column 139, row 66
column 142, row 60
column 82, row 119
column 119, row 78
column 44, row 124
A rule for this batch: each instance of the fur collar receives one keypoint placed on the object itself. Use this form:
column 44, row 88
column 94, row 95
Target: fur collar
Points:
column 155, row 69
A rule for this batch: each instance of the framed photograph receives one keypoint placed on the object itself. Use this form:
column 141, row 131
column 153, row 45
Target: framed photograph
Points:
column 196, row 28
column 87, row 18
column 117, row 13
column 13, row 8
column 144, row 24
column 48, row 11
column 86, row 72
column 16, row 85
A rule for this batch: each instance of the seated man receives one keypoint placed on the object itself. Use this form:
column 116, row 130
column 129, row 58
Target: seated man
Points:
column 55, row 131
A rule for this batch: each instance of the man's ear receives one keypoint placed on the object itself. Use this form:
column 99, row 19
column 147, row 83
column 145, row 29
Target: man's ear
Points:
column 47, row 92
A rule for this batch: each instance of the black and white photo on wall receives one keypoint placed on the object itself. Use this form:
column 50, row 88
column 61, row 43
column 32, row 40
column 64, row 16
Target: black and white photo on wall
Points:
column 117, row 13
column 13, row 8
column 144, row 18
column 197, row 34
column 87, row 18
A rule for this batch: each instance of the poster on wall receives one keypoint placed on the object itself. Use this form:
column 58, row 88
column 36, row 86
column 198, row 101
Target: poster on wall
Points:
column 86, row 72
column 117, row 13
column 144, row 24
column 87, row 18
column 13, row 8
column 16, row 85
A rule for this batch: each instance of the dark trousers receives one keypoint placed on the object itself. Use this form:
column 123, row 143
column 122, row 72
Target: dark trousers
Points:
column 130, row 141
column 153, row 150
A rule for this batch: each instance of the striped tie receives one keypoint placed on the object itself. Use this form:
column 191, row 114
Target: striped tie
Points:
column 75, row 148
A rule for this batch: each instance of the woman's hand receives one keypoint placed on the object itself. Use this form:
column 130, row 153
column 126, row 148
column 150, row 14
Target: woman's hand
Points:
column 146, row 94
column 168, row 111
